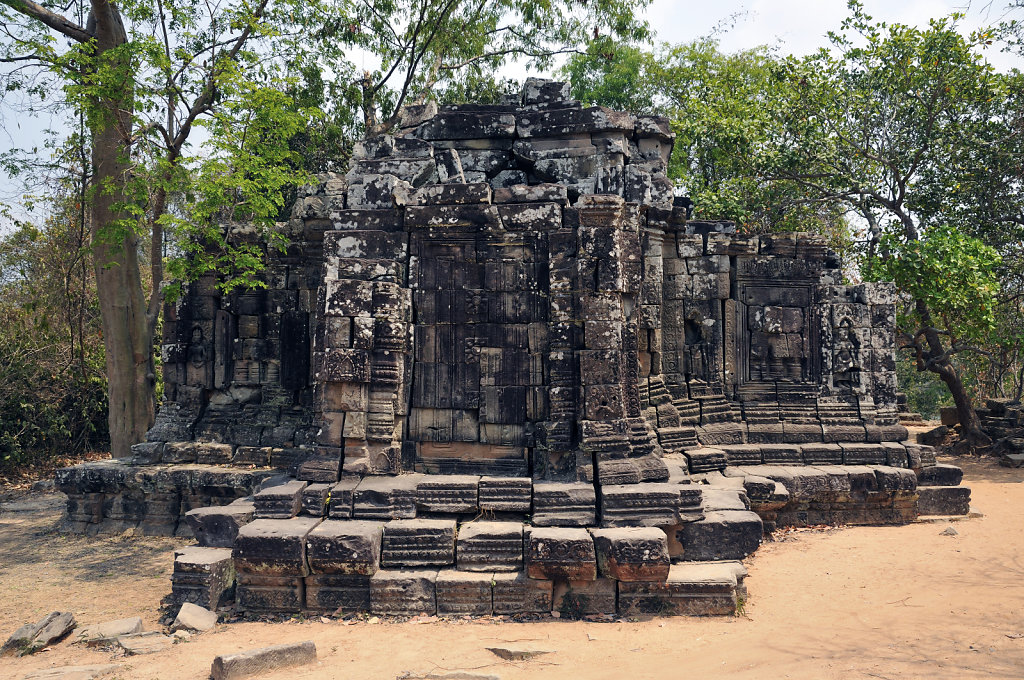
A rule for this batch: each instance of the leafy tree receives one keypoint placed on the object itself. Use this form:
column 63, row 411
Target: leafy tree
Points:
column 426, row 44
column 725, row 111
column 917, row 136
column 52, row 396
column 143, row 74
column 146, row 73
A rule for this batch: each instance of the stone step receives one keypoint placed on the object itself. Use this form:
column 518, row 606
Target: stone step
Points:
column 943, row 500
column 940, row 475
column 722, row 535
column 692, row 588
column 203, row 576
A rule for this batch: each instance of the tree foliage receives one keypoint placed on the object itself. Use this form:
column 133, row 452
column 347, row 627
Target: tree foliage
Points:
column 901, row 142
column 52, row 393
column 144, row 74
column 725, row 110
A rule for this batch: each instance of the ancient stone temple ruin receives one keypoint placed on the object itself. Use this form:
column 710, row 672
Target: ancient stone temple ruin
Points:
column 499, row 370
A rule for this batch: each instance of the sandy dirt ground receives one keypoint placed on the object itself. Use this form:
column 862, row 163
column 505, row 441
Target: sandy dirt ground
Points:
column 858, row 602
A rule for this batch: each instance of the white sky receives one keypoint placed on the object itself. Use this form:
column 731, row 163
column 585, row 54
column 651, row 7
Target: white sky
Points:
column 795, row 27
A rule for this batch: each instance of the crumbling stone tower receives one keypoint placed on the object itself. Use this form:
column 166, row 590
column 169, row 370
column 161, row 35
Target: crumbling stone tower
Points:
column 502, row 369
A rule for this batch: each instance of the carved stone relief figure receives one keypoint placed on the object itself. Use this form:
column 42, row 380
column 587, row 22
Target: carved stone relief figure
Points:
column 845, row 364
column 697, row 351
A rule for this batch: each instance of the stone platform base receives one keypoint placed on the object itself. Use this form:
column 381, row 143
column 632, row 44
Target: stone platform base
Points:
column 112, row 496
column 467, row 544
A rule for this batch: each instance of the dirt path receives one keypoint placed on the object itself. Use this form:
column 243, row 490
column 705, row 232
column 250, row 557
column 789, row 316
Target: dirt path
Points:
column 866, row 602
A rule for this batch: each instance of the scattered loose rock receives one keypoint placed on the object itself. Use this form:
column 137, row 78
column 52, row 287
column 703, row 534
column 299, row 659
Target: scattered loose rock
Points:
column 144, row 643
column 32, row 637
column 73, row 672
column 195, row 618
column 950, row 531
column 108, row 631
column 263, row 660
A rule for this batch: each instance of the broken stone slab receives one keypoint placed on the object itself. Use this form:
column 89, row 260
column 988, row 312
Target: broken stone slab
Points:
column 725, row 499
column 339, row 506
column 192, row 617
column 144, row 643
column 418, row 543
column 280, row 502
column 721, row 535
column 516, row 593
column 217, row 526
column 107, row 632
column 1012, row 460
column 448, row 675
column 274, row 547
column 314, row 499
column 490, row 546
column 32, row 637
column 558, row 504
column 264, row 660
column 463, row 592
column 403, row 592
column 73, row 672
column 203, row 576
column 345, row 547
column 379, row 497
column 632, row 554
column 560, row 552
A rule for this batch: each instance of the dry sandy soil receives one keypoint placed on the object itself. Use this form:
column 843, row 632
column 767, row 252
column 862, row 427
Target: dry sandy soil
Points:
column 859, row 602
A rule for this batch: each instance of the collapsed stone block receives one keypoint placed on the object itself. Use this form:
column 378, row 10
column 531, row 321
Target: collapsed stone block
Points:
column 385, row 498
column 632, row 554
column 345, row 547
column 203, row 576
column 407, row 592
column 943, row 500
column 274, row 547
column 217, row 527
column 721, row 535
column 560, row 553
column 578, row 598
column 338, row 593
column 505, row 494
column 451, row 494
column 280, row 502
column 517, row 593
column 490, row 546
column 564, row 504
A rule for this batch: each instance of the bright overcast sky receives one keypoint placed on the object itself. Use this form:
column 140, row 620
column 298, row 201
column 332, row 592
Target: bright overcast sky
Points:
column 795, row 27
column 801, row 27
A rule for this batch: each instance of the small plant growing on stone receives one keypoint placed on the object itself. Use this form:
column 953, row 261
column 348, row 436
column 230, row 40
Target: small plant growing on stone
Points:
column 574, row 605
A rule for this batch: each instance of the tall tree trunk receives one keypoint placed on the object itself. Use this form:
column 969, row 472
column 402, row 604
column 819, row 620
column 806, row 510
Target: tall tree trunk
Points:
column 126, row 336
column 970, row 425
